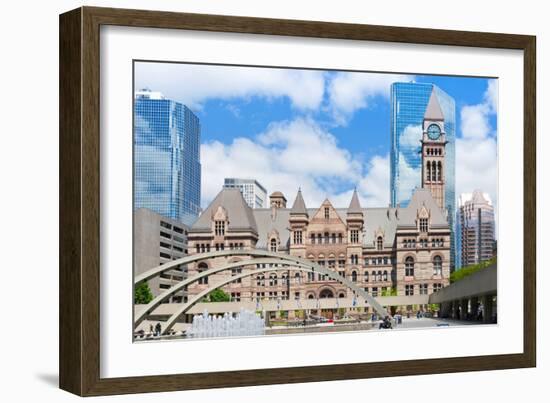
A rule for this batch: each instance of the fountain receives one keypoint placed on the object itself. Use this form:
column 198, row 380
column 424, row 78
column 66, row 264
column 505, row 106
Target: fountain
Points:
column 245, row 323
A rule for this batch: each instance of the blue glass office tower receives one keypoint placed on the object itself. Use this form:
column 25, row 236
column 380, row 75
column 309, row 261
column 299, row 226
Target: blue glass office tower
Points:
column 167, row 169
column 408, row 105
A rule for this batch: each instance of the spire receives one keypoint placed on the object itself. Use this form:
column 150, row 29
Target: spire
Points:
column 354, row 206
column 433, row 110
column 299, row 207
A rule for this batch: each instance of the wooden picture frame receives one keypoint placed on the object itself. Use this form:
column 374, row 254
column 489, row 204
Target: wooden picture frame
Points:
column 79, row 309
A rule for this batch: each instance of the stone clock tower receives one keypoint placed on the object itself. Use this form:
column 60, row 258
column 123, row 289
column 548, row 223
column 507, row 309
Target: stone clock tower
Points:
column 433, row 151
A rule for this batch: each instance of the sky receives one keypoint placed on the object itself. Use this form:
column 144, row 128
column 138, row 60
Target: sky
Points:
column 326, row 132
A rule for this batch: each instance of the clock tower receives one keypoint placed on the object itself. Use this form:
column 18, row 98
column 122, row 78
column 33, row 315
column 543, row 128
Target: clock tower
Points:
column 433, row 151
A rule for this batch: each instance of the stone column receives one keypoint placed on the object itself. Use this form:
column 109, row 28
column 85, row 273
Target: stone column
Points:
column 446, row 309
column 464, row 309
column 487, row 308
column 474, row 305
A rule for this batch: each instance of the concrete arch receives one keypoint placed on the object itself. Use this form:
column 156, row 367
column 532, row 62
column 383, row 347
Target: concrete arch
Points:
column 147, row 275
column 285, row 262
column 197, row 298
column 179, row 286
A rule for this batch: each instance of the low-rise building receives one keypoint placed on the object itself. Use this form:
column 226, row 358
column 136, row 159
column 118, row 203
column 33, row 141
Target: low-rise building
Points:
column 157, row 240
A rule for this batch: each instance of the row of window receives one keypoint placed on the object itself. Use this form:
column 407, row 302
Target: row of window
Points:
column 205, row 247
column 326, row 238
column 175, row 228
column 434, row 151
column 166, row 235
column 434, row 171
column 423, row 243
column 422, row 288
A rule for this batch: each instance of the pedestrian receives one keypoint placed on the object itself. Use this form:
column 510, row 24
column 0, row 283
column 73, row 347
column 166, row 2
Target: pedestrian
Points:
column 158, row 329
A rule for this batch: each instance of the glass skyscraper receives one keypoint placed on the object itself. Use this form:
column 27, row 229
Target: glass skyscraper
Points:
column 408, row 105
column 167, row 169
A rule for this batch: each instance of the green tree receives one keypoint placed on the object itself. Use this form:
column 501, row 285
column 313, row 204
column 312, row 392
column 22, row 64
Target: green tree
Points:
column 392, row 292
column 218, row 295
column 142, row 293
column 459, row 274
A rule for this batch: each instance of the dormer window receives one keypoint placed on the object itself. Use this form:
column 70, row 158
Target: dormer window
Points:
column 327, row 213
column 219, row 228
column 423, row 225
column 379, row 243
column 273, row 245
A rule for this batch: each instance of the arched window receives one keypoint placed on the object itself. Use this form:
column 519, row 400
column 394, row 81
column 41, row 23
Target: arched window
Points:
column 439, row 171
column 313, row 239
column 385, row 275
column 434, row 174
column 202, row 267
column 379, row 243
column 366, row 276
column 409, row 267
column 341, row 295
column 319, row 239
column 354, row 276
column 373, row 275
column 326, row 238
column 297, row 278
column 438, row 265
column 429, row 170
column 273, row 245
column 379, row 276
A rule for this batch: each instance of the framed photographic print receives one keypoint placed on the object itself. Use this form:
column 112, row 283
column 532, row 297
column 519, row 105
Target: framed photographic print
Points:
column 249, row 201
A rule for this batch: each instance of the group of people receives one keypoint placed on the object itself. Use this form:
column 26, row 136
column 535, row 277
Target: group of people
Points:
column 156, row 330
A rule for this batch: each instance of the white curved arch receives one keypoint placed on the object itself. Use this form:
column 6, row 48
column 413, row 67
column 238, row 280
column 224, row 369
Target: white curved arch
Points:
column 302, row 265
column 202, row 256
column 148, row 309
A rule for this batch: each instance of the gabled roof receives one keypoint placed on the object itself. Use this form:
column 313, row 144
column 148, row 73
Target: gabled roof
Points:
column 433, row 110
column 422, row 197
column 355, row 206
column 299, row 206
column 239, row 214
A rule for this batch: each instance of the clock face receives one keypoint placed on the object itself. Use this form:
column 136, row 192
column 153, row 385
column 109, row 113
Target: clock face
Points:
column 434, row 131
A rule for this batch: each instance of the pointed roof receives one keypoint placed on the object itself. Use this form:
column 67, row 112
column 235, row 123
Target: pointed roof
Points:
column 355, row 206
column 478, row 197
column 299, row 206
column 433, row 110
column 239, row 213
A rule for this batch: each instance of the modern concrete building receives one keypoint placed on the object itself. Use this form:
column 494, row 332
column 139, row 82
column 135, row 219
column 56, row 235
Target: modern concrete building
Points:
column 412, row 105
column 476, row 228
column 167, row 170
column 253, row 192
column 157, row 240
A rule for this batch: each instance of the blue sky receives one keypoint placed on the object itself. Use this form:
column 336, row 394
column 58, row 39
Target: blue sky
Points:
column 326, row 132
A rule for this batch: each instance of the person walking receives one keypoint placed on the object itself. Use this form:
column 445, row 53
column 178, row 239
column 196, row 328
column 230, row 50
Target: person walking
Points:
column 158, row 329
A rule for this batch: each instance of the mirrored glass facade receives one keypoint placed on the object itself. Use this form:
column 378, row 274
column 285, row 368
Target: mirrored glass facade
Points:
column 167, row 170
column 408, row 105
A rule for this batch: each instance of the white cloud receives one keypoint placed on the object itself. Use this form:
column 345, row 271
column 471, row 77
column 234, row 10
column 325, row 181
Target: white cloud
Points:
column 195, row 84
column 348, row 92
column 374, row 188
column 409, row 178
column 292, row 155
column 412, row 134
column 476, row 151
